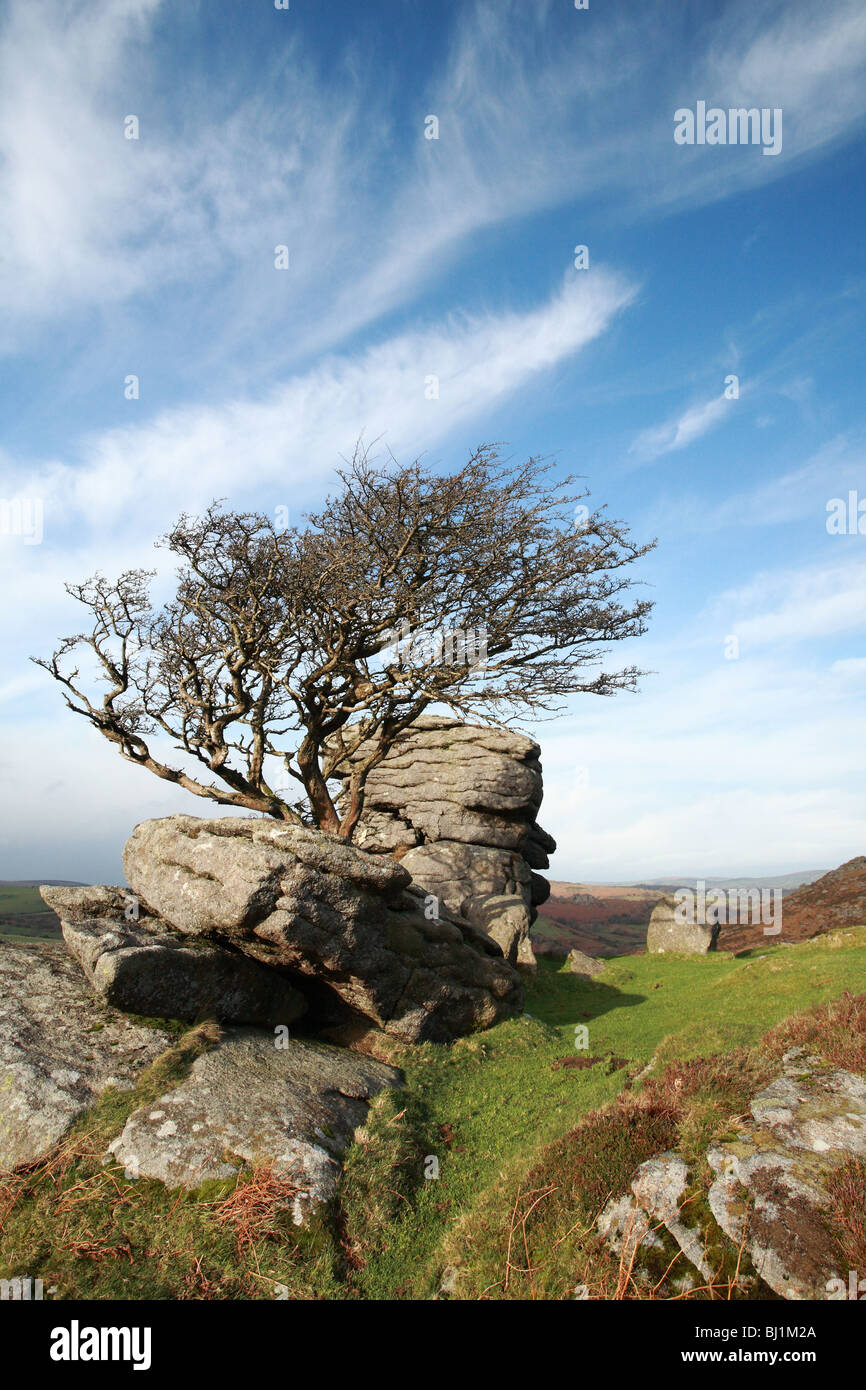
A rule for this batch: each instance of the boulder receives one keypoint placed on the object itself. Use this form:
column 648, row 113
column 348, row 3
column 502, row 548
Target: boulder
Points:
column 667, row 932
column 658, row 1195
column 345, row 925
column 456, row 804
column 137, row 963
column 625, row 1228
column 579, row 963
column 60, row 1048
column 768, row 1190
column 293, row 1109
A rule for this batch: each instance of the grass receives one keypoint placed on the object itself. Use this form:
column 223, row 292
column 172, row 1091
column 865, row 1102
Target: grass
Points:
column 527, row 1149
column 16, row 899
column 25, row 917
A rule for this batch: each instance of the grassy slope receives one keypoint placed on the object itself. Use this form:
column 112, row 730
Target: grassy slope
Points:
column 24, row 916
column 486, row 1108
column 598, row 938
column 15, row 898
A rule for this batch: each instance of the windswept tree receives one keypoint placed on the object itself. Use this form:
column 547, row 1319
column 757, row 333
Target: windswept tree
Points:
column 493, row 592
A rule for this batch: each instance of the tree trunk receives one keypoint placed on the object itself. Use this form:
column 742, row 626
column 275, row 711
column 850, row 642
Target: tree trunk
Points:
column 353, row 812
column 324, row 811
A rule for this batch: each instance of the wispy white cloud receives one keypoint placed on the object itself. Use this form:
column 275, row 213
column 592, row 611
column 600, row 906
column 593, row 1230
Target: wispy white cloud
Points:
column 716, row 767
column 209, row 188
column 104, row 509
column 796, row 605
column 416, row 389
column 794, row 494
column 89, row 218
column 852, row 668
column 681, row 430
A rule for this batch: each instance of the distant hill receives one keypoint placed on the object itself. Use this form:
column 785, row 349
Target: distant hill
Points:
column 610, row 919
column 35, row 882
column 836, row 899
column 600, row 919
column 785, row 881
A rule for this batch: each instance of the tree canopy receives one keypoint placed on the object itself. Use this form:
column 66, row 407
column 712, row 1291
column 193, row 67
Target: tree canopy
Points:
column 492, row 591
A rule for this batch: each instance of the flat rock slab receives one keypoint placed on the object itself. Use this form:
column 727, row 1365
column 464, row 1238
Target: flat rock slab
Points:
column 294, row 1108
column 139, row 964
column 771, row 1182
column 60, row 1047
column 225, row 875
column 820, row 1112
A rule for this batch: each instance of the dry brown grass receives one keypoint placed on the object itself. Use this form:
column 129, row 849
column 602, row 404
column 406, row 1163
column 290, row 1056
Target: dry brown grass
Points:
column 257, row 1208
column 848, row 1211
column 835, row 1031
column 730, row 1078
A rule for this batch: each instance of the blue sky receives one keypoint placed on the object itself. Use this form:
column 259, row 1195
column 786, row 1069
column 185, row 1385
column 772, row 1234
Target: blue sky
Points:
column 411, row 257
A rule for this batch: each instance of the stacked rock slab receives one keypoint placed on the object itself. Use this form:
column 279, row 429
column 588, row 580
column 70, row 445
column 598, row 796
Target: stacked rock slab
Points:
column 139, row 964
column 345, row 927
column 456, row 804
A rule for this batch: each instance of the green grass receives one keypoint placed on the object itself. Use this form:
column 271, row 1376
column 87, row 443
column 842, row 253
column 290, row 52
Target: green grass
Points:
column 495, row 1112
column 15, row 900
column 35, row 927
column 25, row 917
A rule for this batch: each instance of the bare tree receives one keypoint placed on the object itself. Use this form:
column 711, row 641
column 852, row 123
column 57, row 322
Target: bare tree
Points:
column 477, row 591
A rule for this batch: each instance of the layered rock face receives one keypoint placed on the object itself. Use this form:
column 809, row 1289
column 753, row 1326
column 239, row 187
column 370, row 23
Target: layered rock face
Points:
column 246, row 922
column 138, row 963
column 456, row 804
column 345, row 927
column 258, row 924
